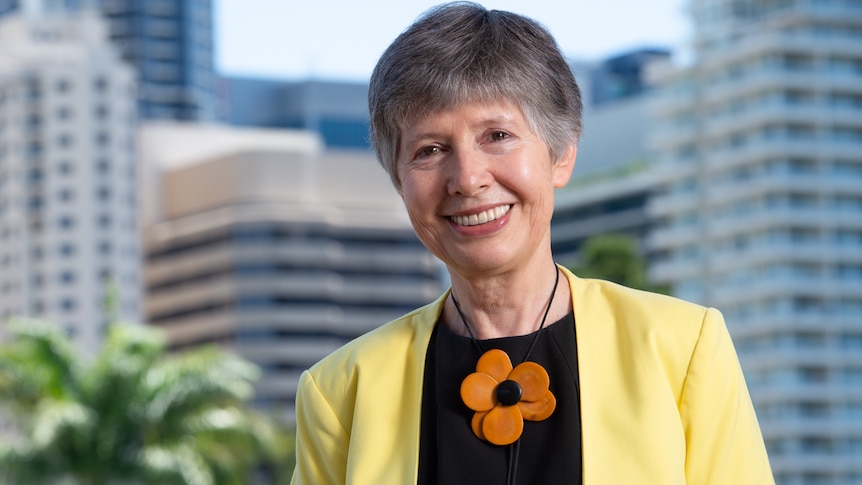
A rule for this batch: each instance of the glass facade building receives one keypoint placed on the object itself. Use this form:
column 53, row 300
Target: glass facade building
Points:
column 337, row 110
column 760, row 144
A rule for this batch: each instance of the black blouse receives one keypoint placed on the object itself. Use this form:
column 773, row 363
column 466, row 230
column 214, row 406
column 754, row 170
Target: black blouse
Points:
column 550, row 450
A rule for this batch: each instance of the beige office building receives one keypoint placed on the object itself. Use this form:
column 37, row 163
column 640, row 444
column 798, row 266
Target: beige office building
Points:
column 260, row 241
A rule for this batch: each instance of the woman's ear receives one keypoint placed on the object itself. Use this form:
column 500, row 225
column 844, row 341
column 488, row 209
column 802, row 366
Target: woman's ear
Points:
column 562, row 169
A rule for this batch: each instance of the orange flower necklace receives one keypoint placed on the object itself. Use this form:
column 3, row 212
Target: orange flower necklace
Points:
column 502, row 396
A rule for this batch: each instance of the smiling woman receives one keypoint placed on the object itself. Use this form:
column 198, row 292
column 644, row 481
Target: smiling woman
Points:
column 521, row 372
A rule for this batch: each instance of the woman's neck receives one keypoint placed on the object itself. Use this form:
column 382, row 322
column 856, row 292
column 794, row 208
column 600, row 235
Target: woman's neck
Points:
column 506, row 305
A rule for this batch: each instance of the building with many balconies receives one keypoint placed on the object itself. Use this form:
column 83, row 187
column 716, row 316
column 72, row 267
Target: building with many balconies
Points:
column 760, row 141
column 68, row 198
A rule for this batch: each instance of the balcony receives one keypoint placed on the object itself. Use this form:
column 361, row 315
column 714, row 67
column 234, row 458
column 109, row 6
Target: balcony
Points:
column 758, row 45
column 770, row 252
column 674, row 203
column 760, row 218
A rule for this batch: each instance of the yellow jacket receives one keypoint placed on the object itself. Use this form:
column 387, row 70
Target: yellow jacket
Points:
column 663, row 399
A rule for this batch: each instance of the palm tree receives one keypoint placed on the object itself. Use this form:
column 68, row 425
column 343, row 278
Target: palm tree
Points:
column 132, row 414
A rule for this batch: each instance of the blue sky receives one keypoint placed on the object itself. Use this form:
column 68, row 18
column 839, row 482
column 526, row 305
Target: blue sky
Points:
column 342, row 39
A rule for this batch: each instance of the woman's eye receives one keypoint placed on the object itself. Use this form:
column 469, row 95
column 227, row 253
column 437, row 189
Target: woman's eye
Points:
column 427, row 151
column 499, row 135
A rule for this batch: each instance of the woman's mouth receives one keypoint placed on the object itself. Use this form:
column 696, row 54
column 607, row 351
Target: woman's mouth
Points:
column 482, row 217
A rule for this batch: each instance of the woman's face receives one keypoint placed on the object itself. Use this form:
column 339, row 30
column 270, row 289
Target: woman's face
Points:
column 478, row 186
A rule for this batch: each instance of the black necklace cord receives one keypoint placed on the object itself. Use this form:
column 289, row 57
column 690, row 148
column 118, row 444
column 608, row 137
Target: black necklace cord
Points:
column 535, row 336
column 514, row 448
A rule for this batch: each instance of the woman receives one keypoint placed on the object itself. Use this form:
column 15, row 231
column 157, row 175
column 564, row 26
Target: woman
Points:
column 521, row 372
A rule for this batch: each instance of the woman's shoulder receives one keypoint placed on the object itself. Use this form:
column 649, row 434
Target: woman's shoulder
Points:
column 615, row 293
column 603, row 302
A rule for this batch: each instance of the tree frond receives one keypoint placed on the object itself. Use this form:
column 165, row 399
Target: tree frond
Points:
column 179, row 464
column 185, row 383
column 39, row 361
column 56, row 420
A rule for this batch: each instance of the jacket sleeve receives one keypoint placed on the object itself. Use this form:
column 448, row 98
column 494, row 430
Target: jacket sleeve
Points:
column 321, row 438
column 724, row 443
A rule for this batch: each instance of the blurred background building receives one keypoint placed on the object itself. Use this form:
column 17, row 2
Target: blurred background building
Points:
column 261, row 241
column 337, row 110
column 760, row 142
column 612, row 180
column 169, row 43
column 68, row 203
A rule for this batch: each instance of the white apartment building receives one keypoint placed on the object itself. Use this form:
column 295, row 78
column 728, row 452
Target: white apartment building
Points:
column 67, row 175
column 262, row 242
column 761, row 141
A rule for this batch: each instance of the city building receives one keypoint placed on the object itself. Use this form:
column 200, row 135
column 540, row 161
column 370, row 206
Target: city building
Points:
column 337, row 110
column 760, row 141
column 624, row 75
column 68, row 205
column 265, row 243
column 170, row 43
column 613, row 177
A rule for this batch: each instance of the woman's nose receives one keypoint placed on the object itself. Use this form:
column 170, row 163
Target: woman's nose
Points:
column 469, row 172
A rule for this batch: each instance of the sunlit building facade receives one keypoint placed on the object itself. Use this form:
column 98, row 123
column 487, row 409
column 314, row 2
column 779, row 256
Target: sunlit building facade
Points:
column 760, row 139
column 68, row 204
column 264, row 243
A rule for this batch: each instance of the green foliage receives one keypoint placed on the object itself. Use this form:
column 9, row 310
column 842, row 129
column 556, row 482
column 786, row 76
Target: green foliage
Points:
column 614, row 257
column 133, row 415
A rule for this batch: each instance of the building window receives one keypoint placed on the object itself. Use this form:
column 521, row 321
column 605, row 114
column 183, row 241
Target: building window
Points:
column 67, row 304
column 67, row 249
column 103, row 194
column 64, row 113
column 103, row 167
column 66, row 222
column 63, row 86
column 67, row 277
column 103, row 139
column 101, row 84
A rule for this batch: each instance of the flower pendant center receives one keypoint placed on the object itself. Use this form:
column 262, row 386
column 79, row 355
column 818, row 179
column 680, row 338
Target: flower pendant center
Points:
column 508, row 392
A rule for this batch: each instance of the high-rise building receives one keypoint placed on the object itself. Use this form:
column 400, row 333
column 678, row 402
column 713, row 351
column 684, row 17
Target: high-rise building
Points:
column 262, row 242
column 169, row 42
column 68, row 225
column 337, row 110
column 761, row 140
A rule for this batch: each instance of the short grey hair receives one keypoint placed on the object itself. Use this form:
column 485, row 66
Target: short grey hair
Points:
column 460, row 52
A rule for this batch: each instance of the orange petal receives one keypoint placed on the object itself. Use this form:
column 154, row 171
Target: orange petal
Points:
column 477, row 391
column 495, row 363
column 538, row 410
column 533, row 379
column 476, row 424
column 503, row 425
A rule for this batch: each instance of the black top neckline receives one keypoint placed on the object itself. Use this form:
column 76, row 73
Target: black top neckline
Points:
column 550, row 450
